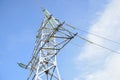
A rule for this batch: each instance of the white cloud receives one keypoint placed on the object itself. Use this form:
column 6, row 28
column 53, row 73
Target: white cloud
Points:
column 106, row 63
column 111, row 70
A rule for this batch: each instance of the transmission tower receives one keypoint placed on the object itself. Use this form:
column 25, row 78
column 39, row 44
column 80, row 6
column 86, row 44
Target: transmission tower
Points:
column 51, row 37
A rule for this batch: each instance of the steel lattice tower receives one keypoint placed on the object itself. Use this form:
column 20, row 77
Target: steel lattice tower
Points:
column 51, row 37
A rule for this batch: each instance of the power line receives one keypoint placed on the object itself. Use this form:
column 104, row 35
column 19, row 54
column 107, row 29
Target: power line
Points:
column 91, row 42
column 97, row 44
column 93, row 34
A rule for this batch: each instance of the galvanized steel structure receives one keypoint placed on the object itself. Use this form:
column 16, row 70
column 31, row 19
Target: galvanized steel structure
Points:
column 51, row 37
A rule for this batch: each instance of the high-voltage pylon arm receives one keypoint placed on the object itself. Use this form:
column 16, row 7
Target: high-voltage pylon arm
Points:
column 51, row 37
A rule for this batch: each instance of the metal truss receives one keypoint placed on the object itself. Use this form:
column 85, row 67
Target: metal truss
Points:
column 51, row 37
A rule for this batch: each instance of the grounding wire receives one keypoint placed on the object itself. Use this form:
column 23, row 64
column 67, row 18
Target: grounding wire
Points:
column 38, row 2
column 77, row 45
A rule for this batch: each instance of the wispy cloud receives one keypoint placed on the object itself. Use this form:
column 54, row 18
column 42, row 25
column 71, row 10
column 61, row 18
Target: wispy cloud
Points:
column 101, row 63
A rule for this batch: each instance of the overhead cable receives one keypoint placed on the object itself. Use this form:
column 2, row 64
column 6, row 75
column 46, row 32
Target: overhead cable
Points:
column 97, row 44
column 93, row 34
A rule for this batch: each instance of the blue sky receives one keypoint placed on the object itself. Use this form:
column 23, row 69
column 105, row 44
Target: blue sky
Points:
column 20, row 19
